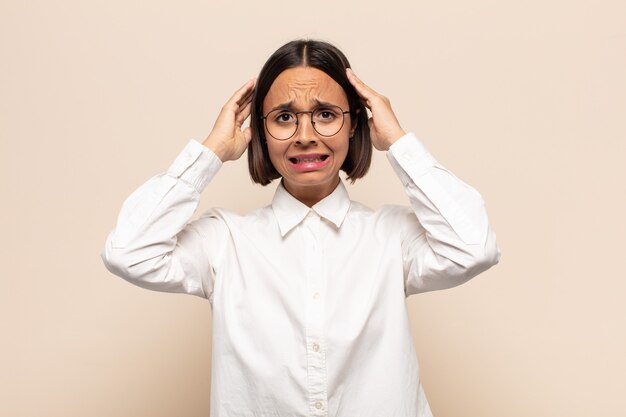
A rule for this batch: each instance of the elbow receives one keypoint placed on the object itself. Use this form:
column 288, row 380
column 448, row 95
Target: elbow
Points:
column 482, row 260
column 151, row 273
column 450, row 273
column 114, row 261
column 492, row 252
column 123, row 262
column 119, row 263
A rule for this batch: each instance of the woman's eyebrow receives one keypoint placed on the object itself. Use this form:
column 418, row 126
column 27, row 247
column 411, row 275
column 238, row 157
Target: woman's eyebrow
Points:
column 289, row 105
column 283, row 106
column 324, row 103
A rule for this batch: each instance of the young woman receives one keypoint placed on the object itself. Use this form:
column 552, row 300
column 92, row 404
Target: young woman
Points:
column 307, row 293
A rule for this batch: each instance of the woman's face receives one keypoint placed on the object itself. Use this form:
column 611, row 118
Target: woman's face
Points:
column 308, row 162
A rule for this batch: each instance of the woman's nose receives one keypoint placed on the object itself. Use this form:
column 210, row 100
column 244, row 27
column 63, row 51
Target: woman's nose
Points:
column 305, row 132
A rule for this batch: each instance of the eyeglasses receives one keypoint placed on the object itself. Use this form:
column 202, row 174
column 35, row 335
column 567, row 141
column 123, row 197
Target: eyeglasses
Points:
column 282, row 124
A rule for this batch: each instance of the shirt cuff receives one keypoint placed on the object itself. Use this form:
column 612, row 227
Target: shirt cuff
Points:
column 410, row 155
column 196, row 165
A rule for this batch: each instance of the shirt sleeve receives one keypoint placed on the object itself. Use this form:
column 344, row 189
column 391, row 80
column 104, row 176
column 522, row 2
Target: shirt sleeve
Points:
column 153, row 244
column 446, row 237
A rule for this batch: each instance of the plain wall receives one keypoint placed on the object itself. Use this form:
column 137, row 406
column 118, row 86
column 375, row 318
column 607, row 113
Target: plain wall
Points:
column 525, row 101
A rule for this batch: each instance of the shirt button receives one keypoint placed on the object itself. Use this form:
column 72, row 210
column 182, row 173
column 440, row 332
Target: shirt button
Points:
column 316, row 347
column 318, row 405
column 316, row 296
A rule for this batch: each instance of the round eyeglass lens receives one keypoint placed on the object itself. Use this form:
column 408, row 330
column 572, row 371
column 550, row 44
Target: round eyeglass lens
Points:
column 283, row 124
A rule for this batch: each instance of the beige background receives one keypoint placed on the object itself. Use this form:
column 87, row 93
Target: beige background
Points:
column 523, row 100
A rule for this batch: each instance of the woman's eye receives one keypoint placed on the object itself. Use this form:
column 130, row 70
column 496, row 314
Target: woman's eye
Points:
column 284, row 117
column 326, row 115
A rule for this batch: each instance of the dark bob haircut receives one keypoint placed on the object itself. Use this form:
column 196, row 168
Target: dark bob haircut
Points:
column 329, row 59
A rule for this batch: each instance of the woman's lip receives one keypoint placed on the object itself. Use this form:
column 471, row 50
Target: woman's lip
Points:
column 311, row 165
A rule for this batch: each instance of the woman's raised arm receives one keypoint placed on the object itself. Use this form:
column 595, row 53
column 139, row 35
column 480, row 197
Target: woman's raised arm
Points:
column 446, row 236
column 153, row 244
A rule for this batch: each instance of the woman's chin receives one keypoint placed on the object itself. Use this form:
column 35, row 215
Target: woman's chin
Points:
column 310, row 180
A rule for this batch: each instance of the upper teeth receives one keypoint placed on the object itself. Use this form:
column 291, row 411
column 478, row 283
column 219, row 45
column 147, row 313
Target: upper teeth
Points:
column 316, row 159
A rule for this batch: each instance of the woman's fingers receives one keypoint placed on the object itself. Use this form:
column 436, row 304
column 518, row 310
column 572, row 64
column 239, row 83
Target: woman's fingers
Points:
column 247, row 134
column 244, row 112
column 240, row 103
column 358, row 86
column 383, row 124
column 243, row 93
column 361, row 88
column 227, row 138
column 246, row 98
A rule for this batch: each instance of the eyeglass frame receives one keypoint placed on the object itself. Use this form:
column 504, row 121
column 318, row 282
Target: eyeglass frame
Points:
column 310, row 112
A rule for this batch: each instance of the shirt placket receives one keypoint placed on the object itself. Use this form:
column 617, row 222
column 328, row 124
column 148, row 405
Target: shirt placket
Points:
column 315, row 346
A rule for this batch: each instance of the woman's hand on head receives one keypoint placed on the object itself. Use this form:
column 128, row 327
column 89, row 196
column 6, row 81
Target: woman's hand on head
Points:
column 384, row 126
column 227, row 139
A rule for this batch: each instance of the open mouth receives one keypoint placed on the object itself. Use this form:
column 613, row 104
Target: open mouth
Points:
column 319, row 158
column 309, row 162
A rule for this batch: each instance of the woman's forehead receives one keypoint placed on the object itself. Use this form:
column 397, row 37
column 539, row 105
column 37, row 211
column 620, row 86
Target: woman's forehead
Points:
column 304, row 86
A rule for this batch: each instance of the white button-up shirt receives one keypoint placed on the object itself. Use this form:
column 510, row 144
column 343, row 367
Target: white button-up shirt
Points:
column 309, row 311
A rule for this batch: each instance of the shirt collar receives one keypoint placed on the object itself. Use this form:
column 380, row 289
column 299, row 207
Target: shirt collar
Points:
column 290, row 211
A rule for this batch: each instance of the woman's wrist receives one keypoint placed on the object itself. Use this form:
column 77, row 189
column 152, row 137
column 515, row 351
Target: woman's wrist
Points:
column 396, row 136
column 216, row 147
